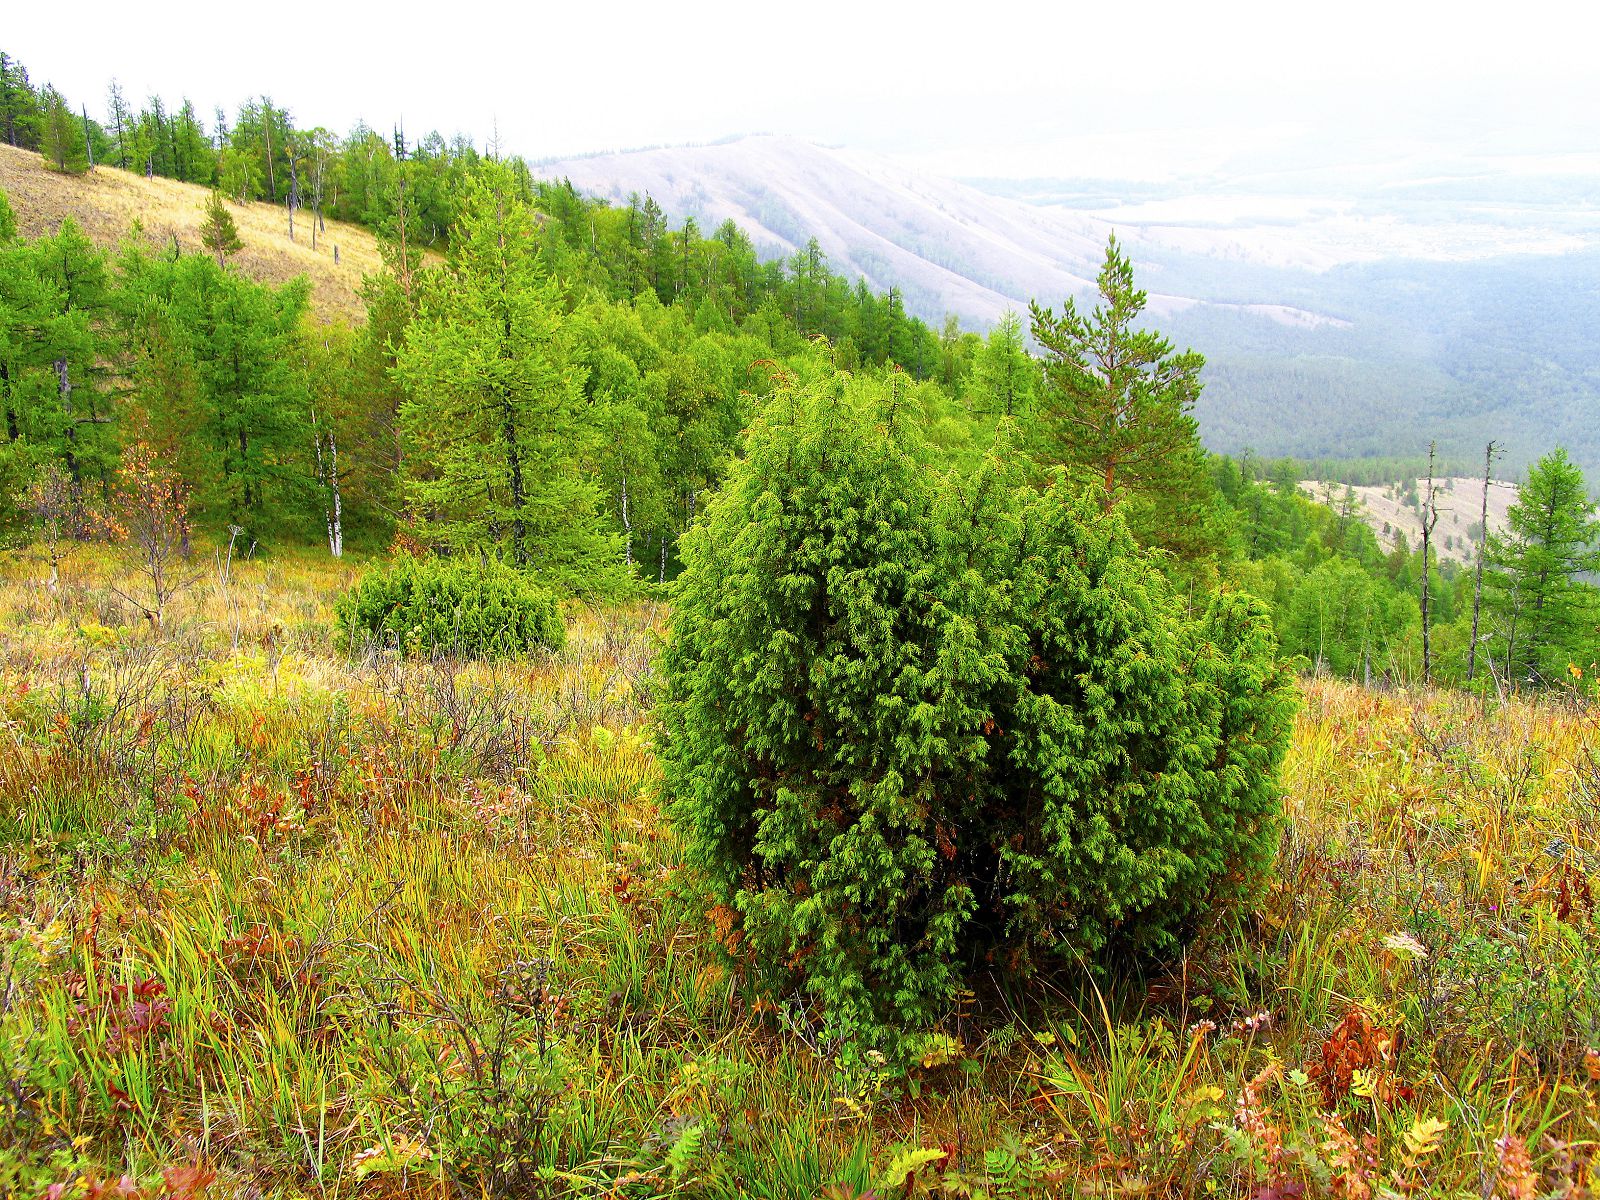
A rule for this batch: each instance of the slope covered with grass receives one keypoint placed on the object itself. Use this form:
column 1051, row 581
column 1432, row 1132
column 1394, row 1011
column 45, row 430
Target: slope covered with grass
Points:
column 107, row 201
column 277, row 918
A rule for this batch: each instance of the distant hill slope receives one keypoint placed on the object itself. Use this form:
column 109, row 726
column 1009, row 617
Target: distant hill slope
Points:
column 107, row 201
column 1458, row 501
column 949, row 247
column 1427, row 335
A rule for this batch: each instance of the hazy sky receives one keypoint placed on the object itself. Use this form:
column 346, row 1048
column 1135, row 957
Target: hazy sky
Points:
column 1150, row 89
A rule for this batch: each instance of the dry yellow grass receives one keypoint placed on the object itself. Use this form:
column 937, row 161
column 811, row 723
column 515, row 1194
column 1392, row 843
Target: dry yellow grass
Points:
column 107, row 201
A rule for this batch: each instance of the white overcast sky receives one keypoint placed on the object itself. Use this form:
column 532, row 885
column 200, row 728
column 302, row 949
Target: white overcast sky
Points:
column 1138, row 88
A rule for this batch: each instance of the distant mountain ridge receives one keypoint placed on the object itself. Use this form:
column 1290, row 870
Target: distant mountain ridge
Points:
column 1369, row 326
column 949, row 247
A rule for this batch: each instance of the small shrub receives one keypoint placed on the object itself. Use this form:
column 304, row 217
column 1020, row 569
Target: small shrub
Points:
column 913, row 724
column 452, row 606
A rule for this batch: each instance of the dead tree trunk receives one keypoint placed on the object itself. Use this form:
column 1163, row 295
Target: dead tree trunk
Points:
column 1430, row 517
column 1483, row 543
column 627, row 525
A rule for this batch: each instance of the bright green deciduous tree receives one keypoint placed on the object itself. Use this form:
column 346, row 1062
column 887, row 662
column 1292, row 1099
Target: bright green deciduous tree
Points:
column 1005, row 379
column 61, row 135
column 217, row 382
column 1545, row 616
column 53, row 348
column 494, row 426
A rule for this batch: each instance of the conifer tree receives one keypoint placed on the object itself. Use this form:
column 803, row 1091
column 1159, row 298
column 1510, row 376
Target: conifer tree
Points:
column 218, row 233
column 494, row 429
column 19, row 105
column 121, row 125
column 1004, row 376
column 62, row 135
column 1547, row 615
column 1117, row 413
column 912, row 725
column 8, row 221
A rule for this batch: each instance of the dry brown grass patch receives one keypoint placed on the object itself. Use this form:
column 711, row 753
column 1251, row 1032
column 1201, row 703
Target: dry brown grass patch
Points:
column 107, row 201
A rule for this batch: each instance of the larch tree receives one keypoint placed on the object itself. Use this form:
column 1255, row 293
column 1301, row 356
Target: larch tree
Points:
column 1005, row 377
column 494, row 428
column 62, row 141
column 1546, row 612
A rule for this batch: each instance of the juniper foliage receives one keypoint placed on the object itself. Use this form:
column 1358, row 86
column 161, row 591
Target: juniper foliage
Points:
column 912, row 722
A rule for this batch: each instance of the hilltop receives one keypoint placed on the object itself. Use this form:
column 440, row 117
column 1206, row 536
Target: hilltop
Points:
column 107, row 201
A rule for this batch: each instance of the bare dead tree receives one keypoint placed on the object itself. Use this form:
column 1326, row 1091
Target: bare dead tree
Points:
column 1430, row 518
column 1483, row 544
column 294, row 187
column 328, row 477
column 153, row 520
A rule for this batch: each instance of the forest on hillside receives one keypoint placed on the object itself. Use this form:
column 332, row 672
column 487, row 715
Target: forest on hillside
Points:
column 644, row 353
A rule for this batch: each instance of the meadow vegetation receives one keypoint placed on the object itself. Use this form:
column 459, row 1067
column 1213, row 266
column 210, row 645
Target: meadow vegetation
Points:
column 291, row 920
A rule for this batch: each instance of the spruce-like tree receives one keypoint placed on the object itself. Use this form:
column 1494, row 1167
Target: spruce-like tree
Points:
column 494, row 427
column 1546, row 614
column 218, row 233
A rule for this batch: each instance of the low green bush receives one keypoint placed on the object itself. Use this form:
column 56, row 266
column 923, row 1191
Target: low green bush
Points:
column 913, row 724
column 480, row 609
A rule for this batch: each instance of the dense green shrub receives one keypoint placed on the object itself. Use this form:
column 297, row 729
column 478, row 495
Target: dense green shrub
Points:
column 911, row 723
column 452, row 606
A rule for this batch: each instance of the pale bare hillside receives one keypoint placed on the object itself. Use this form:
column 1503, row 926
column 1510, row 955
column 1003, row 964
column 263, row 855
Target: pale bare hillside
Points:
column 1459, row 502
column 107, row 201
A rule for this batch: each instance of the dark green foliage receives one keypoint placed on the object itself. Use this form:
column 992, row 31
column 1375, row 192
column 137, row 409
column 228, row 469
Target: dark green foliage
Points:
column 19, row 105
column 815, row 732
column 1137, row 783
column 473, row 608
column 911, row 723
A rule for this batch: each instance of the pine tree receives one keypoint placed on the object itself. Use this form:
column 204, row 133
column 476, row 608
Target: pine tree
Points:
column 218, row 233
column 8, row 221
column 494, row 429
column 1117, row 413
column 1546, row 613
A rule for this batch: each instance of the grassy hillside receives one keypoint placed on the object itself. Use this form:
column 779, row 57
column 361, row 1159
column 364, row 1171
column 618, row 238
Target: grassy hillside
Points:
column 1457, row 499
column 107, row 201
column 308, row 924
